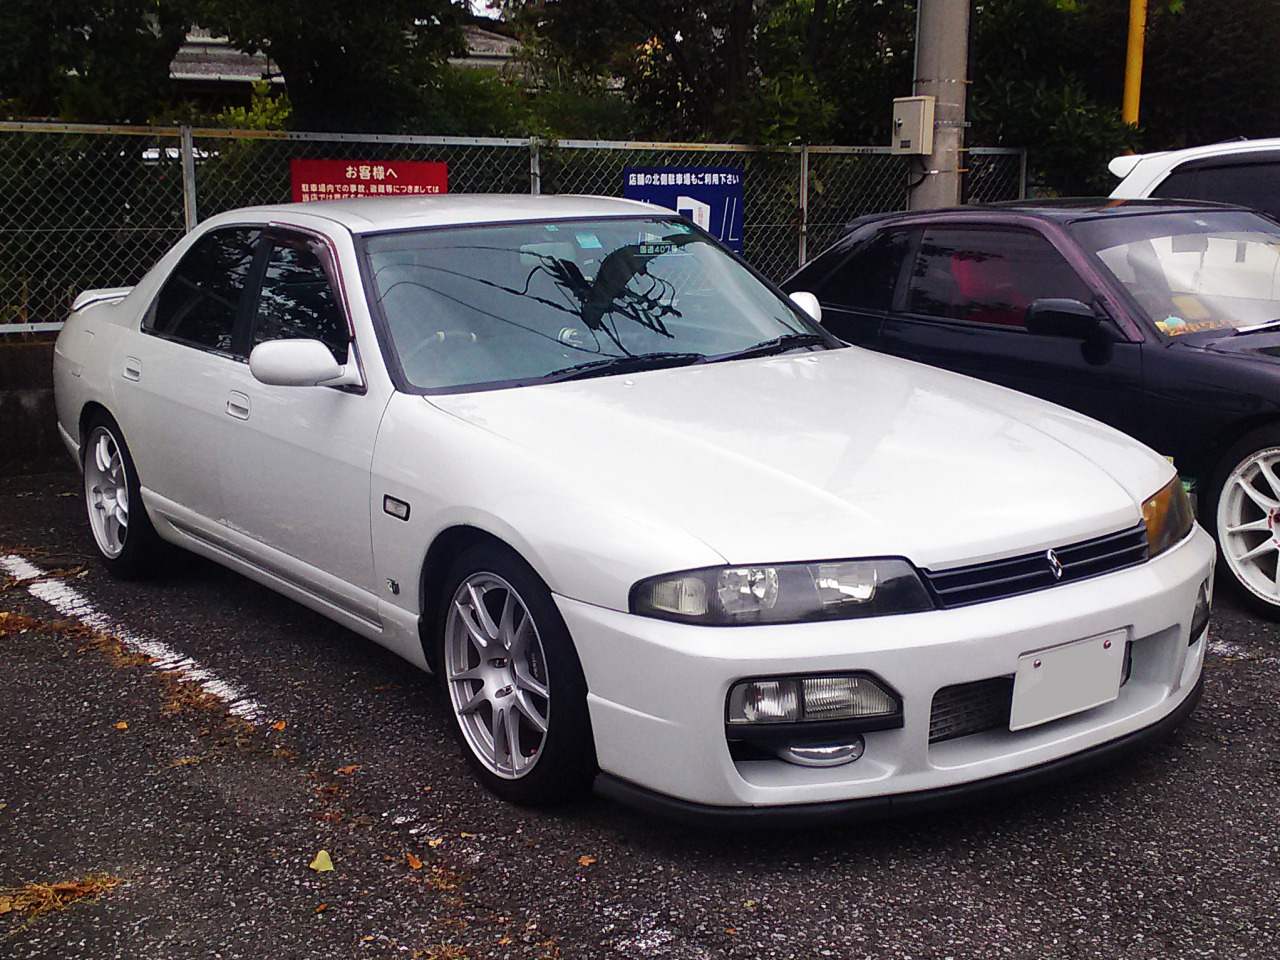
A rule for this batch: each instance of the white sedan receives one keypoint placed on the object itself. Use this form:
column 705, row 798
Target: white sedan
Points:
column 653, row 528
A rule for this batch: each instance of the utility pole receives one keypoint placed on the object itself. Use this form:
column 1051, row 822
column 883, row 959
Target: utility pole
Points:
column 942, row 72
column 1133, row 60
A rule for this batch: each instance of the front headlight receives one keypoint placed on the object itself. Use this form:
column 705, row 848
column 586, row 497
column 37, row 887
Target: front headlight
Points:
column 783, row 593
column 1167, row 516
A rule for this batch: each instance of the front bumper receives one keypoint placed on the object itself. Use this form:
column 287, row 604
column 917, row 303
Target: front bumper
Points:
column 658, row 689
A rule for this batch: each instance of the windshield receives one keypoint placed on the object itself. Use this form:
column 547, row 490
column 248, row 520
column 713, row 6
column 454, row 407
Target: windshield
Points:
column 503, row 303
column 1193, row 272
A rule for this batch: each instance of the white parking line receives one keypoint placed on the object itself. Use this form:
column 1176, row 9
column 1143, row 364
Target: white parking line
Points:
column 74, row 605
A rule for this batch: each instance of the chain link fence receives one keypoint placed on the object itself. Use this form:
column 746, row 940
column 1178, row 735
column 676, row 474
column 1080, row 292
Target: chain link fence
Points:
column 85, row 206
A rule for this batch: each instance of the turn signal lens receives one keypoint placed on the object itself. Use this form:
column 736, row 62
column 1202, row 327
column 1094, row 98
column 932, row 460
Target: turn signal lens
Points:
column 1167, row 516
column 1200, row 615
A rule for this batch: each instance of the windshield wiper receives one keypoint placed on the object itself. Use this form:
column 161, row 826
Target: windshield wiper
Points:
column 1256, row 327
column 788, row 341
column 624, row 364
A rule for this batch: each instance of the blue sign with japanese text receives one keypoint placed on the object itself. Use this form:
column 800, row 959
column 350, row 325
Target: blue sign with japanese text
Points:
column 709, row 196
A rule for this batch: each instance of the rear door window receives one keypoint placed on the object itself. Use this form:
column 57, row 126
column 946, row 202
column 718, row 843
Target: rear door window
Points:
column 868, row 276
column 199, row 302
column 1255, row 185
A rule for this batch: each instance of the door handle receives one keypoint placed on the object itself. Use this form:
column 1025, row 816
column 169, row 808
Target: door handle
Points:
column 132, row 368
column 238, row 405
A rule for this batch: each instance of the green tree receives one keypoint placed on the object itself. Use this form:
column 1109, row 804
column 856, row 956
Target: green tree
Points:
column 347, row 66
column 88, row 61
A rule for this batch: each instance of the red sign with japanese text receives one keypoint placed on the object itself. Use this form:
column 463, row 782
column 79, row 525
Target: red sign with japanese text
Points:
column 343, row 179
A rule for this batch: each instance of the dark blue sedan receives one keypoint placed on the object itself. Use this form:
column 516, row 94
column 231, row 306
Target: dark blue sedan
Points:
column 1161, row 318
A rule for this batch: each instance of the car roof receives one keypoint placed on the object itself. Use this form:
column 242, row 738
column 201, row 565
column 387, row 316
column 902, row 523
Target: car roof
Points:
column 1159, row 161
column 1057, row 210
column 373, row 214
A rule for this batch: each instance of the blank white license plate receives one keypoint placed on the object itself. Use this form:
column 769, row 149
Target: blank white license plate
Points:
column 1059, row 681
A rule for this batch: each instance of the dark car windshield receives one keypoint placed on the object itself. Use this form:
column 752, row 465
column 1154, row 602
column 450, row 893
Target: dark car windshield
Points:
column 515, row 303
column 1194, row 271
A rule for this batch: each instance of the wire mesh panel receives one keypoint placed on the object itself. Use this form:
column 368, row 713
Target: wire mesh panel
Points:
column 845, row 184
column 996, row 174
column 770, row 187
column 85, row 206
column 81, row 210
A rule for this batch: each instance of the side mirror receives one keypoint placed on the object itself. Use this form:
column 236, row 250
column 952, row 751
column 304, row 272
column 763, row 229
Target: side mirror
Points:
column 1054, row 317
column 299, row 363
column 807, row 302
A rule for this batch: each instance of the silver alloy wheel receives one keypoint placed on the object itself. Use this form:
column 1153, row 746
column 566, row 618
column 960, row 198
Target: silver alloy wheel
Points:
column 1249, row 523
column 496, row 673
column 106, row 491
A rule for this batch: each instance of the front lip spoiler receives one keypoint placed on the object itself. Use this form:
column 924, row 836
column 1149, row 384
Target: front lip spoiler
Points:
column 901, row 805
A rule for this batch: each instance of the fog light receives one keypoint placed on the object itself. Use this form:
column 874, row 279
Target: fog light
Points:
column 801, row 699
column 1200, row 615
column 823, row 755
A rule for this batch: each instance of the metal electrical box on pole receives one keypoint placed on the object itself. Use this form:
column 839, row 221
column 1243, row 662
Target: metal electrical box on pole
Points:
column 912, row 125
column 942, row 71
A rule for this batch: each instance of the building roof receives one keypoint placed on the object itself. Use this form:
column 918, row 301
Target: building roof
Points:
column 207, row 58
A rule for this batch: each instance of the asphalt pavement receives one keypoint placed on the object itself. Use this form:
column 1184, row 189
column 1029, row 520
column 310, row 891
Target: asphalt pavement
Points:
column 191, row 744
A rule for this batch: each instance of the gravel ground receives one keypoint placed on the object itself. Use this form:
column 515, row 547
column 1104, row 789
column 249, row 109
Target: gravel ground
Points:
column 124, row 768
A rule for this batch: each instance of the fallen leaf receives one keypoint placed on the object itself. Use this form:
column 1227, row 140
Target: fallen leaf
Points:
column 585, row 861
column 278, row 725
column 38, row 898
column 732, row 932
column 467, row 836
column 322, row 863
column 349, row 769
column 11, row 623
column 122, row 725
column 322, row 908
column 426, row 789
column 414, row 862
column 385, row 686
column 435, row 841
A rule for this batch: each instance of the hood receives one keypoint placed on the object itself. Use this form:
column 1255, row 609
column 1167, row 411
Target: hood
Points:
column 833, row 454
column 1262, row 345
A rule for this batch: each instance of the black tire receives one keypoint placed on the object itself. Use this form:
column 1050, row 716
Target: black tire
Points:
column 530, row 676
column 1232, row 510
column 126, row 541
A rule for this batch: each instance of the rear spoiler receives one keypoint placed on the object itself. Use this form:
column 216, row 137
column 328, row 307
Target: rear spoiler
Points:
column 104, row 295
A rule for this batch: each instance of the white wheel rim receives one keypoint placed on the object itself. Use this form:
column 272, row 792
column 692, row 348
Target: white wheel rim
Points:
column 1249, row 524
column 496, row 673
column 106, row 492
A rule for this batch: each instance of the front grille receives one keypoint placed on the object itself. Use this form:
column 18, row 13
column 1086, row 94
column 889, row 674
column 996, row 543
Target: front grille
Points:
column 970, row 708
column 997, row 579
